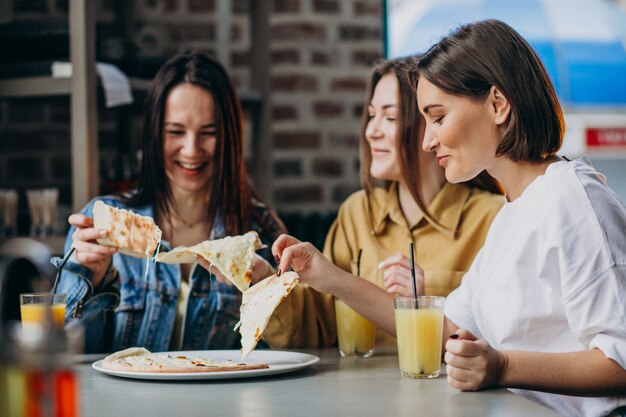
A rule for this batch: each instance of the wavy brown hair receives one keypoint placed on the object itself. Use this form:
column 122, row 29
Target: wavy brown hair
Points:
column 230, row 191
column 410, row 124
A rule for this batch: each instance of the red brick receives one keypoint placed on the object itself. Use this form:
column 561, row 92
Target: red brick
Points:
column 348, row 84
column 366, row 58
column 342, row 192
column 358, row 33
column 192, row 32
column 288, row 168
column 286, row 6
column 321, row 58
column 297, row 140
column 240, row 58
column 326, row 109
column 201, row 6
column 285, row 56
column 294, row 82
column 326, row 6
column 235, row 32
column 357, row 110
column 368, row 8
column 284, row 113
column 298, row 194
column 327, row 167
column 299, row 31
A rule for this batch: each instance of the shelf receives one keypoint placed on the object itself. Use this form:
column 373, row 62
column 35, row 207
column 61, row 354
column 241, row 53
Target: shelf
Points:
column 35, row 87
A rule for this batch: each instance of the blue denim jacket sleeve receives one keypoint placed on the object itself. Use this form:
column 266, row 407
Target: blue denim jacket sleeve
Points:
column 75, row 282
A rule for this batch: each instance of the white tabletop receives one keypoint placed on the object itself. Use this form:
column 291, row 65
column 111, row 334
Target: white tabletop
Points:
column 333, row 387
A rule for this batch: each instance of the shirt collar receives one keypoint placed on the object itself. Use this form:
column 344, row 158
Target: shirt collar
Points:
column 446, row 208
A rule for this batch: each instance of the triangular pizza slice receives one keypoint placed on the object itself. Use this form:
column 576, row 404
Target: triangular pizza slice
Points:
column 232, row 255
column 257, row 306
column 131, row 233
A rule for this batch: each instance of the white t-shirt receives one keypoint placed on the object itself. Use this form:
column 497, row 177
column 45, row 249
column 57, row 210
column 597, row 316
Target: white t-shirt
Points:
column 551, row 276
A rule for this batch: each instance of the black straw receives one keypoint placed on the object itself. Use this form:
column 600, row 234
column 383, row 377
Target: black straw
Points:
column 56, row 279
column 413, row 270
column 358, row 263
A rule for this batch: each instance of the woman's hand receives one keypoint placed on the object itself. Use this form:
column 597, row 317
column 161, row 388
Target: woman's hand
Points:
column 472, row 364
column 87, row 251
column 310, row 264
column 397, row 276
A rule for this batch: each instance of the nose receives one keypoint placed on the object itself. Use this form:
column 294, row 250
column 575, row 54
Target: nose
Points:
column 430, row 142
column 372, row 130
column 190, row 145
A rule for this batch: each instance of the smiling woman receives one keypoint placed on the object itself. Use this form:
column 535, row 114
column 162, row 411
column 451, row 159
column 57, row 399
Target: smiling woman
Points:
column 194, row 184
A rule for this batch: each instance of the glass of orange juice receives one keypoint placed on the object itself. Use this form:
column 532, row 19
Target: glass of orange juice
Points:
column 356, row 334
column 34, row 307
column 419, row 328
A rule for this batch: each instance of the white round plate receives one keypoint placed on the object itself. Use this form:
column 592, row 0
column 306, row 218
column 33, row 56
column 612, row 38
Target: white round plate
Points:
column 279, row 362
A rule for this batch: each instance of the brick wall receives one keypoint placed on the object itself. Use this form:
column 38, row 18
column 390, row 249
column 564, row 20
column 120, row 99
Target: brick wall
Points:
column 321, row 52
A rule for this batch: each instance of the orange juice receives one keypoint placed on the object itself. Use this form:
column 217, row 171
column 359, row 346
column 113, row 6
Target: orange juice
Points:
column 419, row 332
column 355, row 333
column 35, row 313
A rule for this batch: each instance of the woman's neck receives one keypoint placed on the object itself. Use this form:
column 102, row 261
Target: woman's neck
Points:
column 515, row 177
column 410, row 209
column 187, row 223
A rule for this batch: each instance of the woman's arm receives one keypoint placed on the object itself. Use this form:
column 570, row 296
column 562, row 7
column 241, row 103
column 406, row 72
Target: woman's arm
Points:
column 314, row 269
column 473, row 364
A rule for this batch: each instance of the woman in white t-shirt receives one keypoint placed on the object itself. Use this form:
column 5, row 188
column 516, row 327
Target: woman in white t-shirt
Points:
column 541, row 310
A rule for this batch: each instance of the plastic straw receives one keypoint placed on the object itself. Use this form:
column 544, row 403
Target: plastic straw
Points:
column 413, row 270
column 358, row 263
column 56, row 279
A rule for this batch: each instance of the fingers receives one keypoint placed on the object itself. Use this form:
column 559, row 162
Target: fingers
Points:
column 398, row 259
column 297, row 256
column 281, row 243
column 85, row 247
column 80, row 221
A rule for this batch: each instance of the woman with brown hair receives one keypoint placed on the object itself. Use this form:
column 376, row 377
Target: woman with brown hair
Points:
column 194, row 184
column 405, row 199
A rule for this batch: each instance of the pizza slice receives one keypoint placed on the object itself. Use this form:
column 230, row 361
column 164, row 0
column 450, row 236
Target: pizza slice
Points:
column 138, row 359
column 257, row 306
column 232, row 255
column 131, row 233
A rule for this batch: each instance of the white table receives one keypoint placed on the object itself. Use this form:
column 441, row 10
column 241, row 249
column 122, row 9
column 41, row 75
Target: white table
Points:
column 333, row 387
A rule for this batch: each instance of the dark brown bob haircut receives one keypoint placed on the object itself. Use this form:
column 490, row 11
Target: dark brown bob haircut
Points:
column 230, row 192
column 477, row 56
column 410, row 129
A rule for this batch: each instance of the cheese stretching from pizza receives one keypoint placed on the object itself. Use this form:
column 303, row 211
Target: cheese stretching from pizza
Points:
column 131, row 233
column 257, row 306
column 232, row 255
column 142, row 360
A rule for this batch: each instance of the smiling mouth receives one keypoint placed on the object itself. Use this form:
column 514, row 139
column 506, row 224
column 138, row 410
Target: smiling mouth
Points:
column 190, row 166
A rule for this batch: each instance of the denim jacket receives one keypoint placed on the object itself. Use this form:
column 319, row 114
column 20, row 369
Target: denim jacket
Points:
column 130, row 308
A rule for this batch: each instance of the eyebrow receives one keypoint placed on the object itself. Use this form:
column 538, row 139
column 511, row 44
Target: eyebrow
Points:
column 208, row 125
column 386, row 106
column 430, row 106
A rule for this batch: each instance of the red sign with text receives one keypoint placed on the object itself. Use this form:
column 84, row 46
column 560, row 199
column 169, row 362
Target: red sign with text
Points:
column 606, row 137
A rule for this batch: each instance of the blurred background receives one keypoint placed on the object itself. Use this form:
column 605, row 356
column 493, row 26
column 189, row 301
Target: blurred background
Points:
column 301, row 67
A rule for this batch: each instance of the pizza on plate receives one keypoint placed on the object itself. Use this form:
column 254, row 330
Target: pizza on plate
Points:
column 257, row 306
column 232, row 255
column 131, row 233
column 138, row 359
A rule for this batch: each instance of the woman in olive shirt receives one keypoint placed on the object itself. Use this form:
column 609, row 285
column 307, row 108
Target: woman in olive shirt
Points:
column 405, row 199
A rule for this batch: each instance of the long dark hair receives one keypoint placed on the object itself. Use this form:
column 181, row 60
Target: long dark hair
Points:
column 231, row 194
column 410, row 124
column 489, row 53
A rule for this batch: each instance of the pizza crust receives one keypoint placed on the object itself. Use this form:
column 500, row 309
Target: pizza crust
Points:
column 258, row 304
column 142, row 360
column 131, row 233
